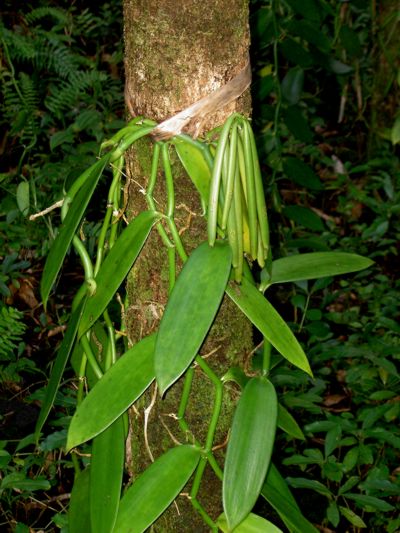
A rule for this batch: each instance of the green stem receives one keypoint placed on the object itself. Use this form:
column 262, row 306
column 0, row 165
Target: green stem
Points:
column 85, row 258
column 193, row 495
column 91, row 357
column 266, row 363
column 112, row 351
column 81, row 378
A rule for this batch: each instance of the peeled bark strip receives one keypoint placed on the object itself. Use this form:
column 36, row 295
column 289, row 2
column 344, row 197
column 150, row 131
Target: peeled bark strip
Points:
column 177, row 52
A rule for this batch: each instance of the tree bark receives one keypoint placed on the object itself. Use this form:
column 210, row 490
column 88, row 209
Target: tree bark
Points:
column 176, row 52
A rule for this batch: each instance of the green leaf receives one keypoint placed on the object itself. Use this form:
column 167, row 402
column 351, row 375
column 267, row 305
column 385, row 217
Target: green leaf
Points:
column 297, row 124
column 304, row 216
column 19, row 481
column 251, row 524
column 292, row 85
column 287, row 423
column 193, row 161
column 370, row 501
column 303, row 483
column 155, row 489
column 352, row 517
column 294, row 52
column 190, row 311
column 395, row 132
column 310, row 32
column 316, row 265
column 301, row 173
column 332, row 514
column 278, row 495
column 121, row 385
column 58, row 368
column 116, row 266
column 106, row 470
column 23, row 197
column 263, row 315
column 249, row 449
column 68, row 229
column 78, row 514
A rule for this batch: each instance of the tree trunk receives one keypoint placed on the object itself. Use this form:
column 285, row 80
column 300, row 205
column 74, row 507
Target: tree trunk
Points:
column 176, row 52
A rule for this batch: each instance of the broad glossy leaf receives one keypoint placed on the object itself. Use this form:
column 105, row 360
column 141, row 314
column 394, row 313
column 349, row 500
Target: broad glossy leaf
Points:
column 116, row 266
column 120, row 386
column 78, row 513
column 155, row 489
column 251, row 524
column 287, row 423
column 278, row 495
column 68, row 228
column 196, row 166
column 265, row 317
column 249, row 449
column 106, row 470
column 190, row 311
column 58, row 367
column 316, row 265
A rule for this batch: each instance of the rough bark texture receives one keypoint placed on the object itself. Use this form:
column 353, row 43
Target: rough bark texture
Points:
column 177, row 51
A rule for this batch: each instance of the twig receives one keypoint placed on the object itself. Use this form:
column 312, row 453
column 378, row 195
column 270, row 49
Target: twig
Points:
column 47, row 210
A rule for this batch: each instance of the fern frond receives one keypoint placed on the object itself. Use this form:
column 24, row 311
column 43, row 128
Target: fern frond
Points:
column 11, row 330
column 42, row 12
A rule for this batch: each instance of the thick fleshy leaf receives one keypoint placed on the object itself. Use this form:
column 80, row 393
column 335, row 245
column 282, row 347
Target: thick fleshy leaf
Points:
column 78, row 513
column 316, row 265
column 249, row 449
column 190, row 310
column 251, row 524
column 68, row 228
column 265, row 317
column 116, row 266
column 278, row 495
column 58, row 367
column 196, row 166
column 155, row 489
column 106, row 470
column 120, row 386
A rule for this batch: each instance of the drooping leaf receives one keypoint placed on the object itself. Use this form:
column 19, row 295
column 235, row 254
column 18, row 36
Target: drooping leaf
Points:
column 78, row 513
column 121, row 385
column 352, row 517
column 106, row 470
column 265, row 317
column 193, row 161
column 251, row 524
column 304, row 483
column 155, row 489
column 58, row 368
column 116, row 266
column 363, row 500
column 316, row 265
column 192, row 306
column 21, row 482
column 278, row 495
column 249, row 449
column 287, row 423
column 68, row 228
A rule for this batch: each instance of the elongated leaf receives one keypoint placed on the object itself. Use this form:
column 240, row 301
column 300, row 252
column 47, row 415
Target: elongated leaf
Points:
column 251, row 524
column 106, row 470
column 304, row 483
column 278, row 495
column 249, row 449
column 370, row 501
column 196, row 166
column 120, row 386
column 58, row 367
column 68, row 228
column 116, row 266
column 265, row 317
column 287, row 423
column 316, row 265
column 190, row 310
column 155, row 489
column 78, row 514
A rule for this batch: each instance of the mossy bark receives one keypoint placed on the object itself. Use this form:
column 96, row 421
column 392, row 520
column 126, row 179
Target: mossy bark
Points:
column 176, row 52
